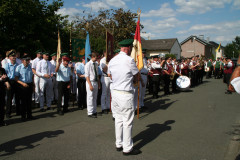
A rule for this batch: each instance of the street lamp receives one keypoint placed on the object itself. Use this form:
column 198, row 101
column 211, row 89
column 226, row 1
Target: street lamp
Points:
column 233, row 54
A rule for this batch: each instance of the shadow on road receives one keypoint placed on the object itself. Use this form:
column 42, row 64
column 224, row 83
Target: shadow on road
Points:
column 27, row 142
column 160, row 104
column 151, row 133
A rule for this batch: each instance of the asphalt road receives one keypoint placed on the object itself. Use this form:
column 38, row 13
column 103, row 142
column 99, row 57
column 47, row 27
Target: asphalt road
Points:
column 195, row 125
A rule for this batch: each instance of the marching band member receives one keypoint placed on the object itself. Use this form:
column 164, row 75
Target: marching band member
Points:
column 156, row 71
column 228, row 70
column 167, row 70
column 185, row 68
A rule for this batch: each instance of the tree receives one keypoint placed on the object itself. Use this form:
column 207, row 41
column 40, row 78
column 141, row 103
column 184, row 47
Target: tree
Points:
column 120, row 22
column 233, row 49
column 28, row 25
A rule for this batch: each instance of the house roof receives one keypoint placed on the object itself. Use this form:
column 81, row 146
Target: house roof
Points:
column 158, row 44
column 215, row 44
column 204, row 42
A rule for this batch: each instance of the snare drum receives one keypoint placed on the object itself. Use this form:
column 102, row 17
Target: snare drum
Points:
column 183, row 82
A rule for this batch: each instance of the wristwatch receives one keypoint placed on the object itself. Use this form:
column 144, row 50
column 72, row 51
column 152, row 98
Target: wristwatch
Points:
column 238, row 64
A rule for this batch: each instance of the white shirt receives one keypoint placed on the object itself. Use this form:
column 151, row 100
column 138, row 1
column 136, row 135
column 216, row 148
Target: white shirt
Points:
column 122, row 68
column 89, row 70
column 54, row 63
column 44, row 67
column 103, row 64
column 156, row 65
column 229, row 64
column 4, row 62
column 34, row 62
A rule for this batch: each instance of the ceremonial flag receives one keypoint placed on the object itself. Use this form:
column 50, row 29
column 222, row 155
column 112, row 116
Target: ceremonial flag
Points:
column 87, row 48
column 58, row 47
column 218, row 49
column 137, row 48
column 109, row 46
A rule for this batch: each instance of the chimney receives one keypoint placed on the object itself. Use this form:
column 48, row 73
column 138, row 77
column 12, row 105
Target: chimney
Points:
column 208, row 39
column 201, row 37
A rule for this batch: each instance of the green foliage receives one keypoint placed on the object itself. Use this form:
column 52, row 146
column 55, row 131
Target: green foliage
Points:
column 173, row 56
column 28, row 25
column 121, row 23
column 233, row 49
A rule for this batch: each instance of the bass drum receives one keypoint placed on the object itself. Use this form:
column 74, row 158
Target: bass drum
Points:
column 183, row 82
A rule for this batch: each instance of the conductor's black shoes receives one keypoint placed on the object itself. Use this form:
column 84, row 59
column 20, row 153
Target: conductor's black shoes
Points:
column 132, row 152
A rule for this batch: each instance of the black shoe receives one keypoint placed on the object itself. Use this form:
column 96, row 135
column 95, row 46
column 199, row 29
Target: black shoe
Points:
column 23, row 119
column 42, row 110
column 228, row 92
column 66, row 110
column 80, row 108
column 132, row 152
column 92, row 116
column 60, row 113
column 105, row 111
column 3, row 124
column 8, row 116
column 31, row 118
column 48, row 108
column 119, row 149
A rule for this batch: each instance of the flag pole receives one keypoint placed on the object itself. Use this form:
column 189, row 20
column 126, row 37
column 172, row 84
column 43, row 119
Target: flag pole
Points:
column 138, row 12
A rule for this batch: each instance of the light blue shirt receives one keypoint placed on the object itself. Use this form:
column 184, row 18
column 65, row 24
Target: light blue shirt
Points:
column 80, row 70
column 24, row 74
column 10, row 70
column 64, row 73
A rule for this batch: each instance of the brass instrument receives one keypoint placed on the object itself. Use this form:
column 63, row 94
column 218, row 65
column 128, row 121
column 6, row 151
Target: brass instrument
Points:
column 172, row 75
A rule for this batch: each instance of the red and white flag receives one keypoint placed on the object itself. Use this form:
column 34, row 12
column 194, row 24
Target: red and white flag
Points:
column 137, row 48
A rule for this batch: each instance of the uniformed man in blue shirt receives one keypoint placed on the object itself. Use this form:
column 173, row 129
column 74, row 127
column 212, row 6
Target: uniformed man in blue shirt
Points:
column 81, row 84
column 10, row 70
column 24, row 76
column 64, row 75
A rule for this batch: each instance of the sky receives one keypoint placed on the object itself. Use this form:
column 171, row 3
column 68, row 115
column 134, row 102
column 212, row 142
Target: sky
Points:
column 218, row 20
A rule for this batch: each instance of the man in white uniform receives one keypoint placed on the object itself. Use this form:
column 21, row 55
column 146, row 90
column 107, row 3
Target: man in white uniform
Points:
column 105, row 80
column 45, row 71
column 92, row 84
column 54, row 82
column 122, row 70
column 36, row 77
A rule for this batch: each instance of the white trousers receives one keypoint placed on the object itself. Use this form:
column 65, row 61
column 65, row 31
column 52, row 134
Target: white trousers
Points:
column 124, row 115
column 105, row 98
column 142, row 90
column 55, row 88
column 92, row 98
column 45, row 83
column 135, row 100
column 37, row 90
